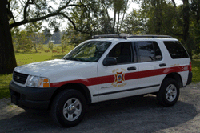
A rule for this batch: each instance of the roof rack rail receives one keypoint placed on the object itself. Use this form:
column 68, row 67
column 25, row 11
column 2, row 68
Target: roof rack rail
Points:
column 124, row 36
column 150, row 36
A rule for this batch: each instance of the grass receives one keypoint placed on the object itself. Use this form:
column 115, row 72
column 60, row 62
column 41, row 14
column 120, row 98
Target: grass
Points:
column 4, row 82
column 196, row 70
column 26, row 58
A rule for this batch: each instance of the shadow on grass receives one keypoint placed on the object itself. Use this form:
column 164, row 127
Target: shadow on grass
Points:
column 135, row 114
column 27, row 53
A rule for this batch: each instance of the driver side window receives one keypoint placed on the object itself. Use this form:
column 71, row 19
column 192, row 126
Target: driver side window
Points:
column 122, row 52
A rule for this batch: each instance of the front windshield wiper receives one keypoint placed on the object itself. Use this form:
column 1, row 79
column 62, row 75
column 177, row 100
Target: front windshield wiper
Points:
column 74, row 59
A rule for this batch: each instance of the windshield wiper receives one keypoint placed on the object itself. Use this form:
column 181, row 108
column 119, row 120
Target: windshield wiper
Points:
column 74, row 59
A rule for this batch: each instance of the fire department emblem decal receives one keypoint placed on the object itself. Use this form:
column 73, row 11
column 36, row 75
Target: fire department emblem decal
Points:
column 119, row 78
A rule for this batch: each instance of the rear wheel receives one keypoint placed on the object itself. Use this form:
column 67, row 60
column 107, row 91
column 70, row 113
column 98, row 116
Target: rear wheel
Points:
column 68, row 108
column 168, row 93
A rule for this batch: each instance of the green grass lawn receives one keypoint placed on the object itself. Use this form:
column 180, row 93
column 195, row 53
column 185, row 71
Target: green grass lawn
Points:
column 196, row 70
column 38, row 57
column 26, row 58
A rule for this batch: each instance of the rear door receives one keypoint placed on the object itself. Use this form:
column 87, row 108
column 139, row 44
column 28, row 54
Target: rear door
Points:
column 149, row 65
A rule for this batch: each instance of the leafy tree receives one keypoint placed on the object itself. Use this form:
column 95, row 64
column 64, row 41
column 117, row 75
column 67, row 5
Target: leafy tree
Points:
column 27, row 11
column 119, row 5
column 37, row 39
column 50, row 46
column 23, row 41
column 133, row 24
column 186, row 25
column 195, row 25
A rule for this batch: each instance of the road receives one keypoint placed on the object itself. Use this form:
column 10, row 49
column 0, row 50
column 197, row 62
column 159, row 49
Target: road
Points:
column 136, row 114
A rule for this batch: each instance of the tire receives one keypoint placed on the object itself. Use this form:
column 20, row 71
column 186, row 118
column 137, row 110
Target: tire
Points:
column 168, row 93
column 68, row 108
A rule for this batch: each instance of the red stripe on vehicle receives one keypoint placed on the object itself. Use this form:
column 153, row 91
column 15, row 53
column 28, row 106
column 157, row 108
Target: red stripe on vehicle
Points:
column 128, row 76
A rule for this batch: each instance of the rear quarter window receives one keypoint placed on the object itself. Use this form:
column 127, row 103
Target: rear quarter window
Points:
column 148, row 51
column 176, row 50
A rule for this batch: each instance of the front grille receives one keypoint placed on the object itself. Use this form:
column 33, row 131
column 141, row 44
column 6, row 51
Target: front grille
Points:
column 19, row 77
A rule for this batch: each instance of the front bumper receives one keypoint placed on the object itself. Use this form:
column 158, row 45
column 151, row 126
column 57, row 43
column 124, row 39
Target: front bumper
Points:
column 31, row 97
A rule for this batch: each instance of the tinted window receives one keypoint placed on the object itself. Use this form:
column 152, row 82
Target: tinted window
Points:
column 122, row 52
column 158, row 54
column 148, row 51
column 176, row 50
column 88, row 52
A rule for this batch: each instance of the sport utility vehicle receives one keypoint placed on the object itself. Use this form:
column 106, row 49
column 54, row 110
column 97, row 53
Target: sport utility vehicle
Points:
column 106, row 67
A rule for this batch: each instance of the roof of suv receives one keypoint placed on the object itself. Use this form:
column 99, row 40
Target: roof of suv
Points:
column 128, row 37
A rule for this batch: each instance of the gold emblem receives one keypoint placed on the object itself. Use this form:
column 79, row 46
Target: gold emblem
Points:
column 119, row 78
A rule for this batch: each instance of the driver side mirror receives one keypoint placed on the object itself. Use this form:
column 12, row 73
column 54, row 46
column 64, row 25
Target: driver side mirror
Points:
column 109, row 61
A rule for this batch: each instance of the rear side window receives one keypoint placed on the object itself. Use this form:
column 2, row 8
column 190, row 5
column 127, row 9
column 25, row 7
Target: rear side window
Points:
column 148, row 51
column 176, row 50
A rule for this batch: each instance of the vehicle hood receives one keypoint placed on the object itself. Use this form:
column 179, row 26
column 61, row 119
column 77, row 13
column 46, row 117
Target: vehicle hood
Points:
column 51, row 66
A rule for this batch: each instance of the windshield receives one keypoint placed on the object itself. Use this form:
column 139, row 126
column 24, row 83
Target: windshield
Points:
column 88, row 52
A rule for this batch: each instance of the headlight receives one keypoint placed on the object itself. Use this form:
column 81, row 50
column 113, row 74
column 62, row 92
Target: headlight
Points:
column 35, row 81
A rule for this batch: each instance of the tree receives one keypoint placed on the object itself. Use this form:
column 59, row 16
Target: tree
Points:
column 7, row 57
column 119, row 5
column 133, row 24
column 30, row 11
column 22, row 41
column 32, row 33
column 37, row 39
column 186, row 25
column 195, row 25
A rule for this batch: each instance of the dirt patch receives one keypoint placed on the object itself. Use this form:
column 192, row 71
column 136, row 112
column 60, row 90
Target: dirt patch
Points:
column 136, row 114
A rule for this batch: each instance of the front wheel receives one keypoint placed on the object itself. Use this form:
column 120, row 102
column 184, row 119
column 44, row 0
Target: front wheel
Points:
column 168, row 93
column 68, row 108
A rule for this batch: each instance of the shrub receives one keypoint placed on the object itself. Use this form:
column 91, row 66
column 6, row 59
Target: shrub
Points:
column 50, row 45
column 196, row 56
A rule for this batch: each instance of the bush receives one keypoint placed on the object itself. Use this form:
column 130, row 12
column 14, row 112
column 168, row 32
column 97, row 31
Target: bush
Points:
column 40, row 47
column 196, row 56
column 50, row 45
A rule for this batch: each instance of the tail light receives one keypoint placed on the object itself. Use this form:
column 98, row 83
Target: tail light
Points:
column 190, row 67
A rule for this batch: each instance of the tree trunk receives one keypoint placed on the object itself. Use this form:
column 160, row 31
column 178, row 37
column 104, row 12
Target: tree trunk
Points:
column 186, row 25
column 35, row 47
column 7, row 58
column 158, row 15
column 114, row 20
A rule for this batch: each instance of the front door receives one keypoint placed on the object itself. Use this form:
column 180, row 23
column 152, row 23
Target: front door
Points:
column 116, row 78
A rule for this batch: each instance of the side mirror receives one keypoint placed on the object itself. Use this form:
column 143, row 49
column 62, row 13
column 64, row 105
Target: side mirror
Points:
column 109, row 61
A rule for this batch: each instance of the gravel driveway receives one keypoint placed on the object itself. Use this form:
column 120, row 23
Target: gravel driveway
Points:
column 134, row 114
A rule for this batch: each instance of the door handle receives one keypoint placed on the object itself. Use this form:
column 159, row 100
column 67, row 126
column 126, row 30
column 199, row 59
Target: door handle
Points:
column 162, row 64
column 131, row 68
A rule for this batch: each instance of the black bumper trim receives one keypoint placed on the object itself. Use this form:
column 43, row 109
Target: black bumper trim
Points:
column 133, row 89
column 189, row 80
column 31, row 97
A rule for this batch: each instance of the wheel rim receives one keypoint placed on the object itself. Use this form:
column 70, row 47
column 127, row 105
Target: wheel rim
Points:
column 171, row 92
column 72, row 109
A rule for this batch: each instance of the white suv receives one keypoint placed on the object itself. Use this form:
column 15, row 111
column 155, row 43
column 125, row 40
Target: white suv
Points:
column 106, row 67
